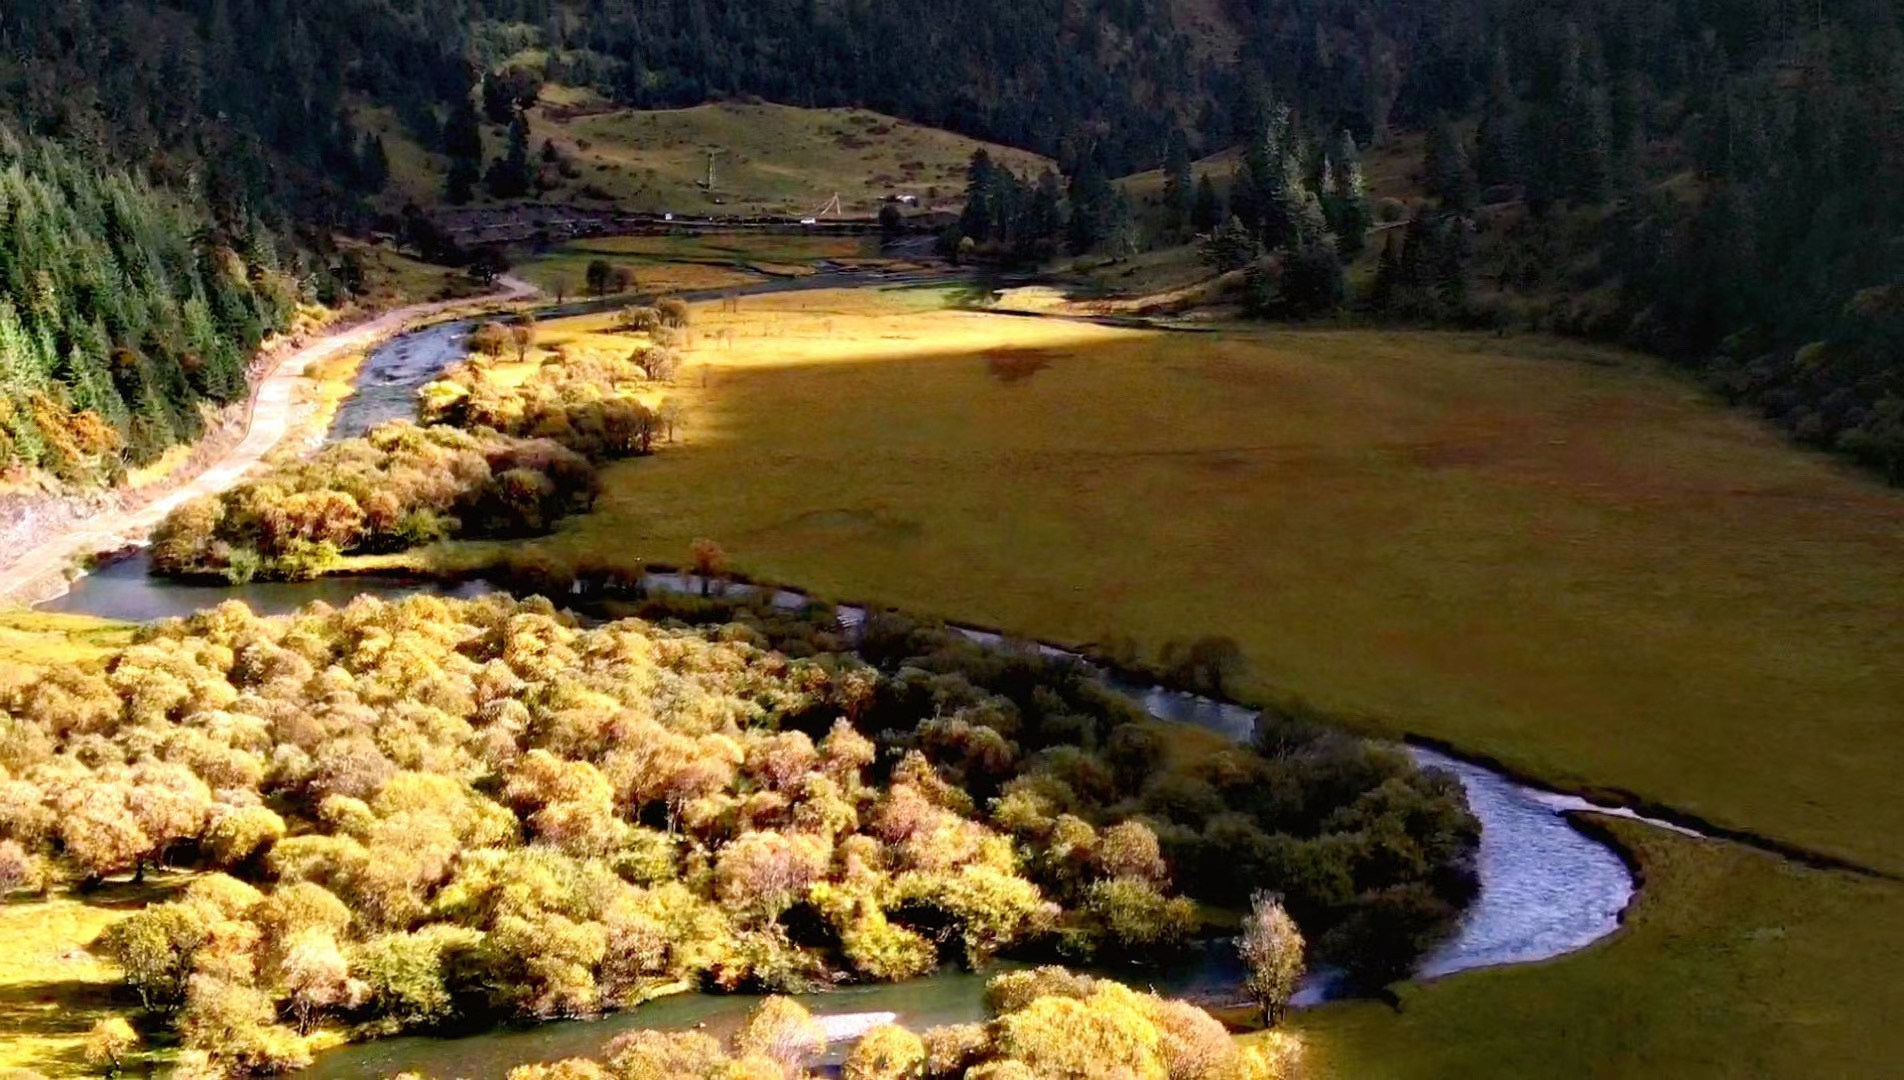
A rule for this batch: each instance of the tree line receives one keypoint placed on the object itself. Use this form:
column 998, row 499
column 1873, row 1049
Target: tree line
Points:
column 1043, row 1022
column 1701, row 180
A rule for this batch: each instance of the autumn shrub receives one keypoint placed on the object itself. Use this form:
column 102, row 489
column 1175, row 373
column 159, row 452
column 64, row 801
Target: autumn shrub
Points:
column 437, row 812
column 1084, row 1030
column 639, row 319
column 396, row 487
column 593, row 406
column 674, row 311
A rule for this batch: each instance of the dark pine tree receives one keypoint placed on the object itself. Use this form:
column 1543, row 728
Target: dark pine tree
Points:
column 1207, row 214
column 1449, row 176
column 1179, row 187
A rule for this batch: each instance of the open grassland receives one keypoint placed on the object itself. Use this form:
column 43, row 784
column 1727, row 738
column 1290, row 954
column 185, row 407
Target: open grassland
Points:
column 1733, row 963
column 772, row 159
column 690, row 263
column 52, row 989
column 1539, row 552
column 775, row 159
column 393, row 279
column 30, row 641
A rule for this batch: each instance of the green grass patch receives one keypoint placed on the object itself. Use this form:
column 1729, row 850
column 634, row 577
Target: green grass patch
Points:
column 1732, row 963
column 690, row 263
column 52, row 989
column 773, row 159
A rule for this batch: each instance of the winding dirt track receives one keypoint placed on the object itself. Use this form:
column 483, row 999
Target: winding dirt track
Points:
column 37, row 573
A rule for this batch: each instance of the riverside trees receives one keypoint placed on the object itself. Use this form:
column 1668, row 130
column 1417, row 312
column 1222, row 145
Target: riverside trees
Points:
column 1272, row 949
column 1045, row 1023
column 491, row 457
column 400, row 486
column 480, row 809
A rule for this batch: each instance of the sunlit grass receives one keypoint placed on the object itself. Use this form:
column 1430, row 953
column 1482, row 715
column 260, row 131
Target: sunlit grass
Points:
column 31, row 641
column 777, row 160
column 695, row 263
column 1732, row 964
column 52, row 988
column 1556, row 555
column 1583, row 568
column 563, row 272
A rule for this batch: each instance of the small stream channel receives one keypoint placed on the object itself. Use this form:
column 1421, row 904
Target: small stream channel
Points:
column 1546, row 887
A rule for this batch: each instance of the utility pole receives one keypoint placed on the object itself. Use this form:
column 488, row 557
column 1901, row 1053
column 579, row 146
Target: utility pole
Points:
column 711, row 155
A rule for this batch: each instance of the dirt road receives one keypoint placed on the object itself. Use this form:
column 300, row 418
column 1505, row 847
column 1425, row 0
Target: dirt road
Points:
column 37, row 572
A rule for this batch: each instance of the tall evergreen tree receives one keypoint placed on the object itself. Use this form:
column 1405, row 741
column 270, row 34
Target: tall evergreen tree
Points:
column 1095, row 206
column 463, row 142
column 1449, row 175
column 1047, row 208
column 1208, row 211
column 373, row 164
column 1583, row 140
column 976, row 219
column 1179, row 188
column 1497, row 141
column 1345, row 197
column 511, row 176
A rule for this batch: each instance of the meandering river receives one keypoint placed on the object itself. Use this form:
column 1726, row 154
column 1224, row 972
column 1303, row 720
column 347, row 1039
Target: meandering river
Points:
column 1546, row 887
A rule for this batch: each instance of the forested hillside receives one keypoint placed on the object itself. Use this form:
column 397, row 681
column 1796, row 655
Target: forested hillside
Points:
column 1058, row 78
column 1707, row 180
column 155, row 208
column 122, row 308
column 178, row 163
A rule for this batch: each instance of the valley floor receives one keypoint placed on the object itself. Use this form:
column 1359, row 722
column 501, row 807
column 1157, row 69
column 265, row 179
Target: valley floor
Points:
column 1553, row 555
column 34, row 573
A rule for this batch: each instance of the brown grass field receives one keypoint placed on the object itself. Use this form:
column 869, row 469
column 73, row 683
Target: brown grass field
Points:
column 1541, row 552
column 1559, row 556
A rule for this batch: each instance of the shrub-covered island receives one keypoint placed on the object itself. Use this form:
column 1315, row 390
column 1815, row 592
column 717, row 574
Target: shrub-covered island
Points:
column 492, row 455
column 442, row 813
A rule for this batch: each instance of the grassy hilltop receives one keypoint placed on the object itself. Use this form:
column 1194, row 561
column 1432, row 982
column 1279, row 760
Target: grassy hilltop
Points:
column 773, row 159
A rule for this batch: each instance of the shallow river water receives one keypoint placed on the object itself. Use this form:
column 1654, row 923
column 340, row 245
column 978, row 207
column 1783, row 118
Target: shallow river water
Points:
column 1546, row 888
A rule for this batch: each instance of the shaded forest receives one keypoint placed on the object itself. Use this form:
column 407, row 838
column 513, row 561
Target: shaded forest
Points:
column 1705, row 180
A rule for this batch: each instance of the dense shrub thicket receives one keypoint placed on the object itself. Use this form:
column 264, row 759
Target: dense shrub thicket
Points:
column 1371, row 854
column 592, row 406
column 493, row 457
column 397, row 487
column 124, row 312
column 1045, row 1023
column 438, row 813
